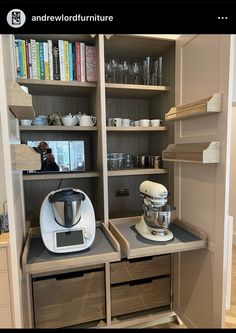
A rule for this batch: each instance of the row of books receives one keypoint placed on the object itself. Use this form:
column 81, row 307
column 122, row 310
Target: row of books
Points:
column 55, row 60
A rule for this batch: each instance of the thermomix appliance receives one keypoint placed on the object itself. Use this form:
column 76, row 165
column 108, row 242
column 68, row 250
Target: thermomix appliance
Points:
column 157, row 214
column 67, row 221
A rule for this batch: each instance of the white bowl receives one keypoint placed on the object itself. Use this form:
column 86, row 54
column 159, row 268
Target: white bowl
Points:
column 26, row 122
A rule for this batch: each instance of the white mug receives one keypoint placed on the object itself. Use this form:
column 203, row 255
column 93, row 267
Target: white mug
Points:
column 144, row 122
column 127, row 122
column 109, row 121
column 86, row 120
column 156, row 122
column 117, row 122
column 26, row 122
column 136, row 123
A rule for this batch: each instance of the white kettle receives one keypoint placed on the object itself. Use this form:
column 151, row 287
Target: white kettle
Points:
column 86, row 120
column 69, row 120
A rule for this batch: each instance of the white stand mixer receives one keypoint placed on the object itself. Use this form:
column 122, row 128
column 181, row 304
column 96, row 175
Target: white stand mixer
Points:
column 156, row 216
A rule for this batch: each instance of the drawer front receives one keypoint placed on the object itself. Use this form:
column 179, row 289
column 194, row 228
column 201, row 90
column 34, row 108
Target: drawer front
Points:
column 4, row 289
column 5, row 317
column 3, row 259
column 129, row 298
column 69, row 301
column 135, row 269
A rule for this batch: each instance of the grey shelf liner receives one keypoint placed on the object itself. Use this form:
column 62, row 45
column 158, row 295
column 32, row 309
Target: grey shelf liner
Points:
column 136, row 241
column 38, row 253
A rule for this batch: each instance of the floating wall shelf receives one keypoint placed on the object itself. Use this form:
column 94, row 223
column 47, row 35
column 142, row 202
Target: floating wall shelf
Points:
column 209, row 105
column 20, row 102
column 25, row 157
column 207, row 152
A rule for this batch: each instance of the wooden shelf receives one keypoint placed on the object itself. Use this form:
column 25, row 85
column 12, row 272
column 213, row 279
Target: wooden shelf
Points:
column 58, row 88
column 58, row 128
column 50, row 176
column 37, row 259
column 20, row 102
column 136, row 172
column 136, row 129
column 207, row 106
column 203, row 152
column 133, row 245
column 133, row 90
column 25, row 157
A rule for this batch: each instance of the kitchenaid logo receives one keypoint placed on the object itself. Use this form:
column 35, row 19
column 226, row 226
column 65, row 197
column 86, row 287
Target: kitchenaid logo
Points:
column 75, row 18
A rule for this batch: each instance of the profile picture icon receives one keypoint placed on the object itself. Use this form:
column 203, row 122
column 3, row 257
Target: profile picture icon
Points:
column 16, row 18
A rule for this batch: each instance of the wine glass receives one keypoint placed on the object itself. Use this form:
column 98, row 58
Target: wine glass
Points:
column 136, row 70
column 147, row 70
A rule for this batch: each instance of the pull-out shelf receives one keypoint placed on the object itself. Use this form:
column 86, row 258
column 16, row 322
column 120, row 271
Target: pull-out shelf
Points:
column 133, row 245
column 37, row 259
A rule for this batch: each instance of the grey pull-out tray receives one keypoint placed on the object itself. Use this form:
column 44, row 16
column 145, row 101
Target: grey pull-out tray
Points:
column 133, row 245
column 37, row 259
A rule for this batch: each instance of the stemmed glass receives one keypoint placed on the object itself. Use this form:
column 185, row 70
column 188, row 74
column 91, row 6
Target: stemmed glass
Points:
column 124, row 68
column 108, row 72
column 147, row 70
column 135, row 72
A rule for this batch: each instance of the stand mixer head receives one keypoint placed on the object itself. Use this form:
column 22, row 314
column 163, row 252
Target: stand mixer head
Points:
column 157, row 214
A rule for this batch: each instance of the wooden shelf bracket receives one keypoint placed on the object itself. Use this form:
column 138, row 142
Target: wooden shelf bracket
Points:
column 203, row 152
column 25, row 157
column 206, row 106
column 20, row 102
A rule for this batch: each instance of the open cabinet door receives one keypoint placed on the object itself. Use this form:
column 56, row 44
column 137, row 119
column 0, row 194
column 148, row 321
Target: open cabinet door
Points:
column 203, row 67
column 14, row 186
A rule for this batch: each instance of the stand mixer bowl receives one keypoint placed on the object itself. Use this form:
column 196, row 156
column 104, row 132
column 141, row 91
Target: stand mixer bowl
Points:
column 158, row 218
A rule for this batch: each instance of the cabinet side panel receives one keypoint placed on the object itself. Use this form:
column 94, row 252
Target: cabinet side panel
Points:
column 201, row 191
column 15, row 199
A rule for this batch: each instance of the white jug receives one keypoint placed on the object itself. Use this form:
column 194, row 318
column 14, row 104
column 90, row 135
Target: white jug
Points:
column 86, row 120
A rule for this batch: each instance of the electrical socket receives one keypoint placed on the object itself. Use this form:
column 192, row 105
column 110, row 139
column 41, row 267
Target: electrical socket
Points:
column 122, row 192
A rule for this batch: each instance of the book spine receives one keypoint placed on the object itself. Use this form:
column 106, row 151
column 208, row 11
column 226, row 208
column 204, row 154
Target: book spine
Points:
column 41, row 57
column 56, row 61
column 82, row 63
column 91, row 63
column 38, row 61
column 61, row 59
column 17, row 58
column 20, row 59
column 78, row 62
column 30, row 60
column 34, row 58
column 24, row 59
column 66, row 57
column 50, row 59
column 70, row 61
column 74, row 60
column 46, row 63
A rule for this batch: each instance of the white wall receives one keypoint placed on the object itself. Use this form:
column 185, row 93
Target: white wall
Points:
column 2, row 173
column 232, row 199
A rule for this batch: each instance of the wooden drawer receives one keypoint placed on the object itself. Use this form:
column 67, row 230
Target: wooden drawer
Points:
column 140, row 268
column 145, row 294
column 4, row 289
column 66, row 299
column 3, row 259
column 5, row 317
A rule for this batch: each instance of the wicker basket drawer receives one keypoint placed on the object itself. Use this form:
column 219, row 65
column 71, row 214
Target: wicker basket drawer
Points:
column 65, row 300
column 140, row 268
column 145, row 294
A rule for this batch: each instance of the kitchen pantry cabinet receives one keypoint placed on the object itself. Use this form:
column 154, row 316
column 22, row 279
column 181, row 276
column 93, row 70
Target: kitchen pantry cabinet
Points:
column 195, row 67
column 5, row 295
